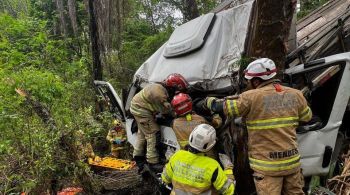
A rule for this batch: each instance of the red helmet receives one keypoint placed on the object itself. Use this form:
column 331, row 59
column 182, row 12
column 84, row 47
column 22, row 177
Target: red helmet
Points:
column 176, row 81
column 182, row 104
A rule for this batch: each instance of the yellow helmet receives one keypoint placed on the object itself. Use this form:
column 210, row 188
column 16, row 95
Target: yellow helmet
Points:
column 116, row 122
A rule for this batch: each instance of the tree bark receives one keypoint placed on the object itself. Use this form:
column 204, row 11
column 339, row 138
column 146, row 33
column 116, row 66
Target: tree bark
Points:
column 147, row 6
column 190, row 10
column 95, row 46
column 272, row 25
column 242, row 172
column 60, row 9
column 269, row 37
column 73, row 16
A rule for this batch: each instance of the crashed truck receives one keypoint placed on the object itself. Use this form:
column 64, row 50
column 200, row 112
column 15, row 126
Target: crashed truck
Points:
column 207, row 51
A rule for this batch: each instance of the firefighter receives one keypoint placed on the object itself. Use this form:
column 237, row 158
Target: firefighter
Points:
column 150, row 101
column 186, row 121
column 116, row 136
column 271, row 113
column 191, row 172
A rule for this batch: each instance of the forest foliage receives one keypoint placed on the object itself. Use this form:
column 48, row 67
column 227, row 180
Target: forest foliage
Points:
column 45, row 50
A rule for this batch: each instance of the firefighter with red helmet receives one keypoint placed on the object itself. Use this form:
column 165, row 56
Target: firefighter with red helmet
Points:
column 186, row 120
column 150, row 101
column 176, row 82
column 271, row 113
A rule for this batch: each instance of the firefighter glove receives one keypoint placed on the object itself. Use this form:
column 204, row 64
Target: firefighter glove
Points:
column 214, row 104
column 117, row 141
column 216, row 121
column 209, row 102
column 169, row 152
column 225, row 161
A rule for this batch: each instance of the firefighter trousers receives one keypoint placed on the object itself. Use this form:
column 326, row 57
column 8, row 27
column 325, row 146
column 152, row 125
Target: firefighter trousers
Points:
column 276, row 185
column 146, row 134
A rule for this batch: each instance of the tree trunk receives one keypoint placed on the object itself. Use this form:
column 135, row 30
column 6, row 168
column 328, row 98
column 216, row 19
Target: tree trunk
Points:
column 73, row 16
column 272, row 25
column 148, row 7
column 190, row 10
column 268, row 38
column 95, row 47
column 60, row 9
column 242, row 172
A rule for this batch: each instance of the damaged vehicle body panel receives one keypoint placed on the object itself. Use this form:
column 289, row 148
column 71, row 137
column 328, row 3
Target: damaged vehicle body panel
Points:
column 209, row 67
column 317, row 143
column 209, row 61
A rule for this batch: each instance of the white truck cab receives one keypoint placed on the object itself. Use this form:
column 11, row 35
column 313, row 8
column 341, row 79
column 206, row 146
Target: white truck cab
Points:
column 317, row 143
column 207, row 51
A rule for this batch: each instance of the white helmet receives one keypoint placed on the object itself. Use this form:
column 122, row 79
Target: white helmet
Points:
column 203, row 137
column 263, row 68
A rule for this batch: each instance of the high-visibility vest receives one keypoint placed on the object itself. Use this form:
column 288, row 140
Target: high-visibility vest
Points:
column 195, row 174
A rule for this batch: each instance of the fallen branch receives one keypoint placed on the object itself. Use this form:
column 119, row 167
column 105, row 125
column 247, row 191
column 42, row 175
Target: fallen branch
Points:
column 340, row 184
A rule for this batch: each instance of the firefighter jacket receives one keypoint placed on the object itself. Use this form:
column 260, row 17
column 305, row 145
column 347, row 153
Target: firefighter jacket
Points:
column 114, row 134
column 195, row 174
column 184, row 125
column 271, row 112
column 150, row 100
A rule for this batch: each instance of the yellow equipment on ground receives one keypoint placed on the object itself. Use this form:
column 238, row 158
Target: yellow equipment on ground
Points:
column 113, row 163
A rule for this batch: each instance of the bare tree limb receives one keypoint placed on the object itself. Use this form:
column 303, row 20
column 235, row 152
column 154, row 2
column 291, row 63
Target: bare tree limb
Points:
column 73, row 16
column 60, row 9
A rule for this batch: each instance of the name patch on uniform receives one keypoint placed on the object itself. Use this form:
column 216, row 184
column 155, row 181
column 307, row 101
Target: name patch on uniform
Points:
column 284, row 154
column 276, row 102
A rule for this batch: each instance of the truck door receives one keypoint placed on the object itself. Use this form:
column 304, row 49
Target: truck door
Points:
column 110, row 96
column 329, row 99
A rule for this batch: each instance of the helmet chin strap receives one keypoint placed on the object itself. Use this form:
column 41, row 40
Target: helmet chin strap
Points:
column 254, row 83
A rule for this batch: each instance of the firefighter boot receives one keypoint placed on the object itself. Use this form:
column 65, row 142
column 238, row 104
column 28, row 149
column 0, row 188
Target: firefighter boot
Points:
column 157, row 168
column 140, row 162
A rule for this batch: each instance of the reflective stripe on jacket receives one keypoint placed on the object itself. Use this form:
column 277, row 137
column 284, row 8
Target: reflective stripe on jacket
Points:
column 272, row 114
column 195, row 174
column 150, row 100
column 183, row 128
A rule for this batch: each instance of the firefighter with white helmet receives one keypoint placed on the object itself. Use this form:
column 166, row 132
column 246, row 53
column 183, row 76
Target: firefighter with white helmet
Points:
column 150, row 101
column 191, row 172
column 271, row 112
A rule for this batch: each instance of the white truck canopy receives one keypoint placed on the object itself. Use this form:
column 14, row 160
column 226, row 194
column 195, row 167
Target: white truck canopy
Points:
column 205, row 54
